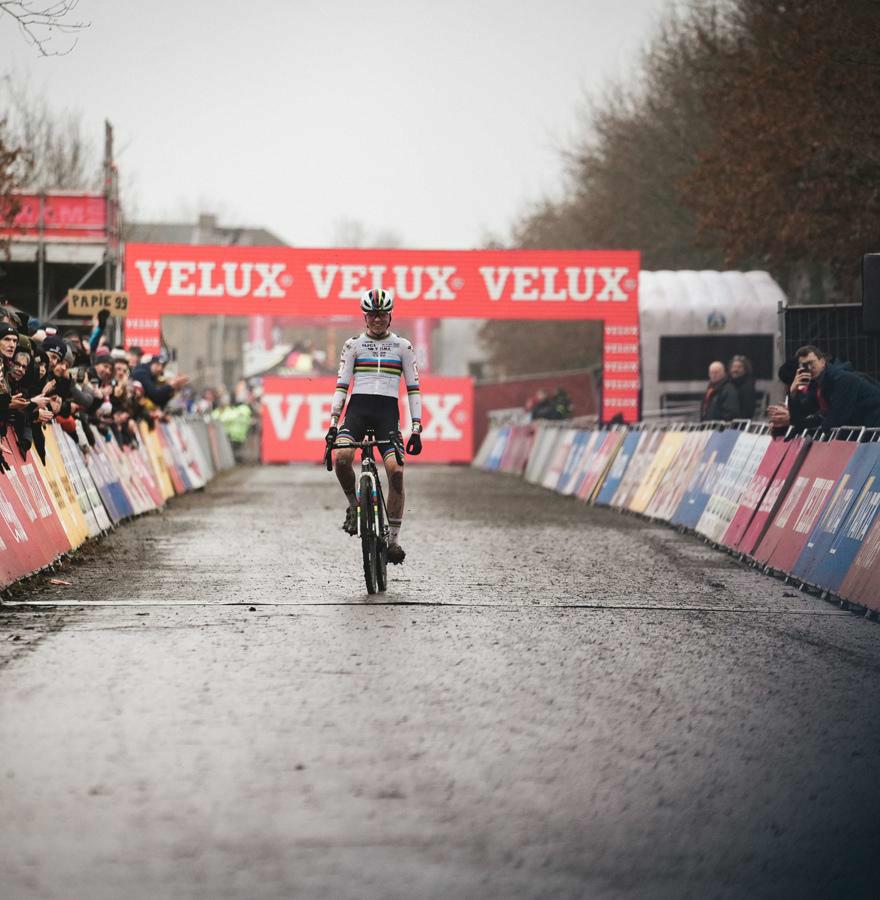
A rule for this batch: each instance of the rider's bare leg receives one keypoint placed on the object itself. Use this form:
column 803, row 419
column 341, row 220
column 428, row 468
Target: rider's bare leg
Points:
column 396, row 497
column 345, row 474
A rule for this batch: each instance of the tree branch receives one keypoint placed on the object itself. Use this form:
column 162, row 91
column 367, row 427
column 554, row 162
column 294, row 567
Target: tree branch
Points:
column 36, row 17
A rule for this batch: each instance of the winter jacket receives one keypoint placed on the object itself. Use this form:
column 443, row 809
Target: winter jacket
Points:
column 156, row 391
column 838, row 397
column 720, row 403
column 746, row 396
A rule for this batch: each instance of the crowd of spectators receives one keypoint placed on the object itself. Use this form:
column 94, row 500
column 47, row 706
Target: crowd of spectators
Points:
column 730, row 393
column 821, row 393
column 92, row 389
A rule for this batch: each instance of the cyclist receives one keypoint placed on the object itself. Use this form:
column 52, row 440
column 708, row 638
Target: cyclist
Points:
column 376, row 360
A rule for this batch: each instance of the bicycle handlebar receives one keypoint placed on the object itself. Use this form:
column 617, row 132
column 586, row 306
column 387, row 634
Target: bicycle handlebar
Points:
column 360, row 445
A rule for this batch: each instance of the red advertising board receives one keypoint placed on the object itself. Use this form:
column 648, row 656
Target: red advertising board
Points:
column 774, row 496
column 755, row 493
column 166, row 279
column 296, row 413
column 862, row 581
column 64, row 217
column 803, row 504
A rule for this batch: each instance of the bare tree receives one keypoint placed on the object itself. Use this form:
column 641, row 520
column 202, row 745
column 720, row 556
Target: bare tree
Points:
column 40, row 22
column 9, row 203
column 56, row 155
column 353, row 233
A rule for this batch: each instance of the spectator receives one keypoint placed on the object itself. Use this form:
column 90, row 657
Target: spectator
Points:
column 236, row 421
column 829, row 394
column 744, row 384
column 556, row 407
column 135, row 355
column 151, row 374
column 720, row 402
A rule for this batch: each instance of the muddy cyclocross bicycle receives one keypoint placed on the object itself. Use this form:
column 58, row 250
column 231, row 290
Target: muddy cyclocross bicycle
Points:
column 372, row 513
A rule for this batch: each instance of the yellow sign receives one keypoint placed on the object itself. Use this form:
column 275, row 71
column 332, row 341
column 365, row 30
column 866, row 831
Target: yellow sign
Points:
column 87, row 303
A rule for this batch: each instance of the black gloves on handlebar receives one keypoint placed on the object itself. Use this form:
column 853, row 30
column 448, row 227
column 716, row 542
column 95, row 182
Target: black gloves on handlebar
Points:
column 414, row 444
column 330, row 437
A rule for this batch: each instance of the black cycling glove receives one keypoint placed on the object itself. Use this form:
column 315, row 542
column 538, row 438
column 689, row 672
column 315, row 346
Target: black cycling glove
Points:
column 414, row 444
column 330, row 437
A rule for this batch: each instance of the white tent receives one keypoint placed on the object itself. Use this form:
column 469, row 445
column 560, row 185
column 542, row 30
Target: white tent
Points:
column 688, row 319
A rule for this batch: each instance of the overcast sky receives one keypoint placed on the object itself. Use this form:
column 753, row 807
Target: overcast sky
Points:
column 435, row 122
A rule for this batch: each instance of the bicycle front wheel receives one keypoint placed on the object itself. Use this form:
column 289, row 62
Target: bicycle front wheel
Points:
column 381, row 545
column 369, row 534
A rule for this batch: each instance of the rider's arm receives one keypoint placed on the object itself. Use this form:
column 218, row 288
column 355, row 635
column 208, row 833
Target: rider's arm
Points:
column 413, row 390
column 343, row 380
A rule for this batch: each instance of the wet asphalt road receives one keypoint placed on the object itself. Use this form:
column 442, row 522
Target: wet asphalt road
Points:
column 550, row 701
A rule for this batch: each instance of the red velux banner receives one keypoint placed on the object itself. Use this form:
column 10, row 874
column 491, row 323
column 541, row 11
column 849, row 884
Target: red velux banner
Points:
column 296, row 413
column 180, row 279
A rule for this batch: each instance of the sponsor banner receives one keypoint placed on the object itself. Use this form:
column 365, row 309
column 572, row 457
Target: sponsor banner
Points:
column 542, row 452
column 807, row 497
column 181, row 279
column 705, row 477
column 670, row 445
column 845, row 522
column 637, row 468
column 618, row 468
column 677, row 478
column 754, row 492
column 589, row 443
column 600, row 463
column 602, row 285
column 860, row 583
column 744, row 460
column 107, row 484
column 516, row 454
column 150, row 440
column 296, row 413
column 67, row 216
column 775, row 495
column 564, row 440
column 496, row 453
column 72, row 458
column 60, row 489
column 23, row 542
column 480, row 461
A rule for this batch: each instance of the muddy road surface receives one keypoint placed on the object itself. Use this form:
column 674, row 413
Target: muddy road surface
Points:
column 550, row 701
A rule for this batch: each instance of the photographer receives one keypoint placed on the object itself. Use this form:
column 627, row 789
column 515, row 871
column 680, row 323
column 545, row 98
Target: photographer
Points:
column 830, row 395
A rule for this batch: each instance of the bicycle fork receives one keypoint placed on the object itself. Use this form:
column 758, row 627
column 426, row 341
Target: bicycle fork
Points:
column 373, row 500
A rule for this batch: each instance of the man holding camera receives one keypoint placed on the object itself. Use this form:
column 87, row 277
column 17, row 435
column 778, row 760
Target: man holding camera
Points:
column 827, row 395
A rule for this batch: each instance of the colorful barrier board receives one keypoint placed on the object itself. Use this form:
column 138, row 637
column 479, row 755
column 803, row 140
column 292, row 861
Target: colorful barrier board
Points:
column 806, row 499
column 735, row 477
column 695, row 498
column 845, row 523
column 618, row 468
column 755, row 493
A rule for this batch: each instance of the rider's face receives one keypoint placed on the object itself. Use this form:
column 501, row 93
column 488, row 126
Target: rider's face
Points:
column 377, row 322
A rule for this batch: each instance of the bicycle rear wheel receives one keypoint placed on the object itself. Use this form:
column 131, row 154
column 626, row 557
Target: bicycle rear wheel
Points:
column 369, row 536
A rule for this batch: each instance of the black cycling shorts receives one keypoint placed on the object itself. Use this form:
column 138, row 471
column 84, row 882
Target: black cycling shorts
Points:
column 371, row 411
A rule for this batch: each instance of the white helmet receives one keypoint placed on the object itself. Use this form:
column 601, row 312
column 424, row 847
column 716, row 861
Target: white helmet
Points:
column 377, row 300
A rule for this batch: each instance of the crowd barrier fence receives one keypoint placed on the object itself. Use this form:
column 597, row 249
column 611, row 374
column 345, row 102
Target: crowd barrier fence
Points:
column 50, row 509
column 803, row 507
